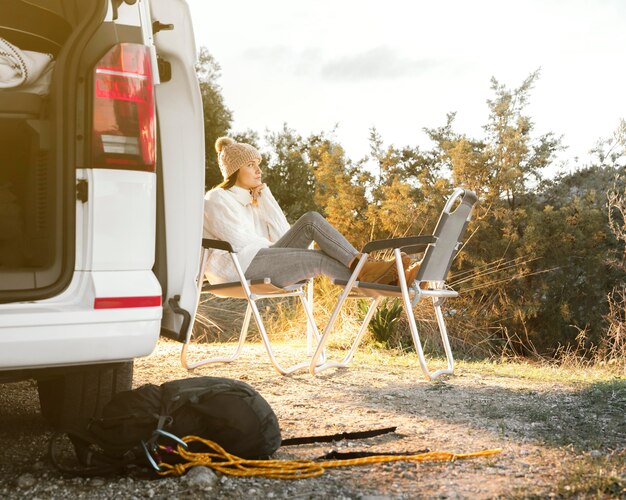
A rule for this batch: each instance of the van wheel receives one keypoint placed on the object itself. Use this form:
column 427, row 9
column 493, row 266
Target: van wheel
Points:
column 82, row 393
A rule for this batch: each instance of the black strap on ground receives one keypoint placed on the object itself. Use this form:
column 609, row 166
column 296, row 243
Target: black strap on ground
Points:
column 336, row 437
column 349, row 455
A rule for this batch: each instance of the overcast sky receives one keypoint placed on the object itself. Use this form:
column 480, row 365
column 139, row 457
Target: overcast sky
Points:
column 401, row 65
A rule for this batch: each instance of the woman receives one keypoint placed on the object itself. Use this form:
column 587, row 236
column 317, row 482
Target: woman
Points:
column 243, row 212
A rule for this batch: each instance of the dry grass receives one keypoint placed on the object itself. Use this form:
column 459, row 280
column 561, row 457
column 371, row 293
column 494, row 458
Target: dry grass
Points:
column 595, row 476
column 220, row 320
column 614, row 347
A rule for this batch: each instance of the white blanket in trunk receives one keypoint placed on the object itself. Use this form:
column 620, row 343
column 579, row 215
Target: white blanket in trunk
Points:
column 24, row 70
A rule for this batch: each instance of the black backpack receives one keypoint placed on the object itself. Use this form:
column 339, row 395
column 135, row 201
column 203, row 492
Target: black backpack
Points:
column 228, row 412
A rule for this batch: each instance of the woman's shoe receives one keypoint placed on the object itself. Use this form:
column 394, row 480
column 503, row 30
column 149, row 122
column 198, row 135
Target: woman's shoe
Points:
column 378, row 271
column 411, row 272
column 384, row 272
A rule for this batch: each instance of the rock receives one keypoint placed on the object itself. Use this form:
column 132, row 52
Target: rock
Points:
column 25, row 481
column 201, row 476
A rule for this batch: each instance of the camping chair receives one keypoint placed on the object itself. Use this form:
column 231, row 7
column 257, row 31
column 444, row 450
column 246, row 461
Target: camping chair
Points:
column 252, row 291
column 439, row 252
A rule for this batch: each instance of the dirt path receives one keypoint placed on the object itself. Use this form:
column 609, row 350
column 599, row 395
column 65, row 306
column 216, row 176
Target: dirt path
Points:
column 558, row 438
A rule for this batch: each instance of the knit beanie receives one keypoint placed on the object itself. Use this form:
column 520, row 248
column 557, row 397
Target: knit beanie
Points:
column 231, row 155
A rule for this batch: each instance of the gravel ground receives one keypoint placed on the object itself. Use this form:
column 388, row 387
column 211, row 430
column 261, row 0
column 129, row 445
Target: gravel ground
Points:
column 538, row 424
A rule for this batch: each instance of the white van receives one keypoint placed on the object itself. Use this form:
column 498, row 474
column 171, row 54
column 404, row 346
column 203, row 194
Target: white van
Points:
column 101, row 189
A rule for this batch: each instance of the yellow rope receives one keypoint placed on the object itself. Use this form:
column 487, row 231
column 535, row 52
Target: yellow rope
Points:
column 222, row 461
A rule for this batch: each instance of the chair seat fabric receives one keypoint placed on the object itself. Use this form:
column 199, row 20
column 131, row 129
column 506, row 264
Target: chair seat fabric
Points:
column 263, row 286
column 364, row 289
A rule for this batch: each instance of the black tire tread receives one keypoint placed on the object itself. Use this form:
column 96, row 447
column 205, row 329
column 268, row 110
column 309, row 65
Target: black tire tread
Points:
column 82, row 393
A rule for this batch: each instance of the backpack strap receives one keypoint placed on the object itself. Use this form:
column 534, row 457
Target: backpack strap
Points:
column 90, row 461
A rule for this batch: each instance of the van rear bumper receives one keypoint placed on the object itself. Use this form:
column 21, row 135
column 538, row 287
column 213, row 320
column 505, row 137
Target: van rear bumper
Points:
column 64, row 345
column 69, row 330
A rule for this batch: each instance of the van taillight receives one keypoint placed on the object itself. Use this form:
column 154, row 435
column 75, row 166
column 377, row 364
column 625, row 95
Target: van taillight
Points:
column 123, row 110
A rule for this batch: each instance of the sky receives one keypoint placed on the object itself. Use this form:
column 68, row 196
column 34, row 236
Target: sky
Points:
column 402, row 65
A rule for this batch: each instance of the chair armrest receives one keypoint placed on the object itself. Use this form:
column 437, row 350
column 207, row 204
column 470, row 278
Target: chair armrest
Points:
column 217, row 244
column 413, row 249
column 415, row 243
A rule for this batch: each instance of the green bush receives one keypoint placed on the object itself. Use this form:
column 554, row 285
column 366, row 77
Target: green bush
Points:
column 383, row 325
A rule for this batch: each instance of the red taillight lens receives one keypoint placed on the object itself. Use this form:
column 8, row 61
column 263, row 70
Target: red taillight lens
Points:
column 123, row 110
column 126, row 302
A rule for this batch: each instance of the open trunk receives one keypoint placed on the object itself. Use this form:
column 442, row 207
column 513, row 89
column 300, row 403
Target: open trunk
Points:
column 28, row 215
column 39, row 144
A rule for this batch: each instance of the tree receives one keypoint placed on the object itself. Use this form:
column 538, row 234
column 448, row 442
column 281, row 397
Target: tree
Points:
column 397, row 211
column 573, row 293
column 614, row 345
column 503, row 168
column 289, row 172
column 340, row 190
column 397, row 189
column 612, row 151
column 515, row 157
column 217, row 117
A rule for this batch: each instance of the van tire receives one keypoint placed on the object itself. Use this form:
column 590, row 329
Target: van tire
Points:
column 82, row 393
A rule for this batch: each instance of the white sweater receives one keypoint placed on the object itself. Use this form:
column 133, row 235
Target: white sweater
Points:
column 230, row 216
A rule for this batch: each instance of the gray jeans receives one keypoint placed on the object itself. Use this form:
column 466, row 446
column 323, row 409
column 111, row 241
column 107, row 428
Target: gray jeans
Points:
column 289, row 261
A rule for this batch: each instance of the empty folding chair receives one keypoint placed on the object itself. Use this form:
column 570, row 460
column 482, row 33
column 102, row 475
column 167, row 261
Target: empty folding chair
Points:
column 252, row 291
column 439, row 251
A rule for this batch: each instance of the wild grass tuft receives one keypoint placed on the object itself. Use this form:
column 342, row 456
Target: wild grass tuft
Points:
column 594, row 476
column 220, row 320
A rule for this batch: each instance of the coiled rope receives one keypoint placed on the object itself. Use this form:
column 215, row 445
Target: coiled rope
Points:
column 220, row 460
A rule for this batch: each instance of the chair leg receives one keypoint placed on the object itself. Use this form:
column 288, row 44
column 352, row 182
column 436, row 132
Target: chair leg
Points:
column 317, row 367
column 311, row 327
column 437, row 303
column 266, row 342
column 252, row 309
column 366, row 321
column 242, row 338
column 408, row 308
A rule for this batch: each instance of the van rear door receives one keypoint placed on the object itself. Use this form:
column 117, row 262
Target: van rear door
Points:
column 180, row 168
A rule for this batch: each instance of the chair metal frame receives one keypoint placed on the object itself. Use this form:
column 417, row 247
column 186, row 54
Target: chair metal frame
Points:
column 252, row 291
column 439, row 252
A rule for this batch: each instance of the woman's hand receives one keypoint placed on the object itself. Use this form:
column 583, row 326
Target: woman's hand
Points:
column 255, row 192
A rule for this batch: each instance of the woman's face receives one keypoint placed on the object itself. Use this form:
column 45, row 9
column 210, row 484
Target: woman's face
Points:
column 249, row 176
